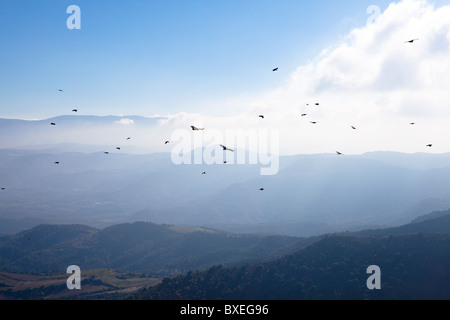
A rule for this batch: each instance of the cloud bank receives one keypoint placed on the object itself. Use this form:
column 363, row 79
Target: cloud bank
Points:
column 373, row 80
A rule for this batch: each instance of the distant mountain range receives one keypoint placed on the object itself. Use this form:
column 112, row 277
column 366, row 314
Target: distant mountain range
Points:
column 84, row 133
column 310, row 195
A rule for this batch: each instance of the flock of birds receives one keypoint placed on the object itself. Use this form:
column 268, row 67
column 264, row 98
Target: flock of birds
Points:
column 194, row 128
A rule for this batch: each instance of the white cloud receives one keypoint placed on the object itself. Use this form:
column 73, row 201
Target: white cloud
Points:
column 125, row 122
column 372, row 80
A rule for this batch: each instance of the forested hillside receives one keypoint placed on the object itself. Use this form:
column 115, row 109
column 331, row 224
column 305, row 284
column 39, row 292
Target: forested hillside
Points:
column 415, row 266
column 137, row 247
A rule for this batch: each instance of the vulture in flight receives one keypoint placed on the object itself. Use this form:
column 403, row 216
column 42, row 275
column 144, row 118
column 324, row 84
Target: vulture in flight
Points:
column 57, row 162
column 353, row 128
column 75, row 110
column 203, row 172
column 338, row 153
column 429, row 145
column 226, row 149
column 262, row 189
column 197, row 129
column 167, row 142
column 53, row 124
column 118, row 148
column 276, row 69
column 411, row 41
column 304, row 115
column 261, row 116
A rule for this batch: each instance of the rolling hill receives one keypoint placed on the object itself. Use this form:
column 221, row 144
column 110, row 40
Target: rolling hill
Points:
column 141, row 246
column 413, row 267
column 221, row 265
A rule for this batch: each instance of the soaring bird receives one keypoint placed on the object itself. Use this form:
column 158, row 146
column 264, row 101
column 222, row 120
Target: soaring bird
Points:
column 353, row 128
column 106, row 152
column 197, row 129
column 60, row 90
column 412, row 123
column 128, row 138
column 429, row 145
column 53, row 124
column 203, row 172
column 304, row 115
column 226, row 149
column 57, row 162
column 167, row 142
column 262, row 189
column 3, row 189
column 118, row 148
column 261, row 116
column 317, row 104
column 411, row 41
column 313, row 122
column 75, row 110
column 338, row 153
column 276, row 69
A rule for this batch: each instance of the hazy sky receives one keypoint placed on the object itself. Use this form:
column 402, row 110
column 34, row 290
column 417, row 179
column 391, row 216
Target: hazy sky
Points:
column 210, row 62
column 160, row 56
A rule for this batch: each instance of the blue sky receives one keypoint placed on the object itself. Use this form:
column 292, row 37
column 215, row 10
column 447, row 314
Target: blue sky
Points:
column 157, row 57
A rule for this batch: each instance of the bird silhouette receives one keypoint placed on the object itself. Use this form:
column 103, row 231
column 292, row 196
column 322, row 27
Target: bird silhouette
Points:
column 429, row 145
column 353, row 128
column 304, row 115
column 197, row 129
column 412, row 123
column 317, row 104
column 60, row 90
column 261, row 116
column 411, row 41
column 57, row 162
column 167, row 142
column 203, row 172
column 128, row 138
column 226, row 149
column 3, row 189
column 276, row 69
column 106, row 152
column 75, row 110
column 262, row 189
column 313, row 122
column 338, row 153
column 118, row 148
column 53, row 124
